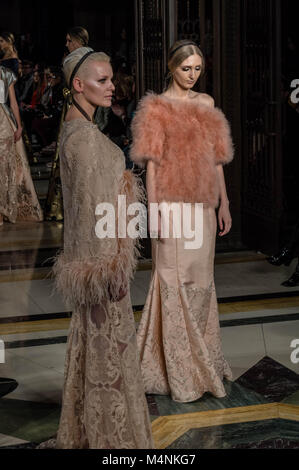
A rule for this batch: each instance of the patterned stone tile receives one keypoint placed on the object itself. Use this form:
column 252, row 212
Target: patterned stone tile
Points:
column 237, row 395
column 270, row 379
column 29, row 421
column 272, row 433
column 152, row 405
column 292, row 399
column 270, row 444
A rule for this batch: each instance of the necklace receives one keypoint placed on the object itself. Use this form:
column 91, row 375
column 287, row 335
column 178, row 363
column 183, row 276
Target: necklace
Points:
column 82, row 111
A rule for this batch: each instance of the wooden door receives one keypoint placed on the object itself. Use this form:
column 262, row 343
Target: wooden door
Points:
column 261, row 124
column 151, row 45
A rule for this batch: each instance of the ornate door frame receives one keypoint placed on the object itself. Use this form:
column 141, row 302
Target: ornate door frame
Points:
column 262, row 124
column 151, row 44
column 254, row 179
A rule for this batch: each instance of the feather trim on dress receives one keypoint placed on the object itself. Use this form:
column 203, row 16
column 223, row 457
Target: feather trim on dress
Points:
column 85, row 282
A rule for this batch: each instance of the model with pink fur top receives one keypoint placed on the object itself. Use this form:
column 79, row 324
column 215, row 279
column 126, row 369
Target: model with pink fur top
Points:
column 184, row 141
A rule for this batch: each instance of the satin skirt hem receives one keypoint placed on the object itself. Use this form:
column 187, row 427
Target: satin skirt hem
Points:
column 179, row 337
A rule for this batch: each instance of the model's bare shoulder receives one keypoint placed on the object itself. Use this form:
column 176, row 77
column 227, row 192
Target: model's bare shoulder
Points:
column 206, row 99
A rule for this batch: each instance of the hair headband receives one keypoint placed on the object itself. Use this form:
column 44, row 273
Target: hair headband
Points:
column 78, row 65
column 182, row 45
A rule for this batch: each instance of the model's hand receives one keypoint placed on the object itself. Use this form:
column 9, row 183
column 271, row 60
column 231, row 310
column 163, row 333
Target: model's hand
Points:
column 122, row 292
column 224, row 219
column 18, row 134
column 155, row 234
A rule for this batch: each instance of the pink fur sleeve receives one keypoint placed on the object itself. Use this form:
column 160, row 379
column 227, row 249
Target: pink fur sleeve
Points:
column 223, row 145
column 147, row 132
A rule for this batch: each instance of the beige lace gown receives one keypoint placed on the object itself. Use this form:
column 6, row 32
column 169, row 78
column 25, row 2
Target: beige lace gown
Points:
column 104, row 403
column 18, row 199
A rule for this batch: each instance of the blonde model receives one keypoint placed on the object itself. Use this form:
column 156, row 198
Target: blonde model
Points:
column 104, row 405
column 184, row 141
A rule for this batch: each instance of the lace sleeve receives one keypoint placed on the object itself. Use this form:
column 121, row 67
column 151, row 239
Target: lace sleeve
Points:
column 89, row 266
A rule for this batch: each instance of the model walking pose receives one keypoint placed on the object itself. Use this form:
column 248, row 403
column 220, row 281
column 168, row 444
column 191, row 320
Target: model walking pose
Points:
column 104, row 404
column 184, row 140
column 18, row 199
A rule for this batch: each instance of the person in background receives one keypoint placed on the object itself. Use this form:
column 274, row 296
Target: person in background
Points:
column 288, row 252
column 46, row 124
column 30, row 110
column 120, row 114
column 18, row 199
column 27, row 47
column 25, row 83
column 10, row 58
column 76, row 37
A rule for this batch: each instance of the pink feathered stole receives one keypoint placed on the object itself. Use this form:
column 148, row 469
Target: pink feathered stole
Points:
column 186, row 139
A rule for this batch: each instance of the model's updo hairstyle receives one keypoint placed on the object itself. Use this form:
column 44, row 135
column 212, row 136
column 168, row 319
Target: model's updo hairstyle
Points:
column 80, row 34
column 74, row 57
column 9, row 37
column 179, row 52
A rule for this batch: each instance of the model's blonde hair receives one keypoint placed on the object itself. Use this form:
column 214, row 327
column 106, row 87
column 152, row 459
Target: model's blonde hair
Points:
column 80, row 34
column 179, row 52
column 9, row 37
column 73, row 58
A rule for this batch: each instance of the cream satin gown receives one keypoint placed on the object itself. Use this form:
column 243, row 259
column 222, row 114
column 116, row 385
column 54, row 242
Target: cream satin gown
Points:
column 179, row 336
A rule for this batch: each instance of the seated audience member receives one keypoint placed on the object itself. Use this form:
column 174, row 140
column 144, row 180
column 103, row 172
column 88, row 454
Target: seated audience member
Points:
column 25, row 83
column 32, row 110
column 121, row 112
column 45, row 126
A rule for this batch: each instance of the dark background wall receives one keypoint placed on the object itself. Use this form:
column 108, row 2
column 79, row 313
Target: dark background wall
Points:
column 48, row 22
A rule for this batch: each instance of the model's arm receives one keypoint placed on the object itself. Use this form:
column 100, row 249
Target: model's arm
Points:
column 15, row 109
column 151, row 196
column 224, row 217
column 150, row 182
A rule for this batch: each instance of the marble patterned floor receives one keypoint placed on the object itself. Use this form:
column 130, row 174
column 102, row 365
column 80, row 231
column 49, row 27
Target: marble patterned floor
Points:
column 281, row 434
column 259, row 319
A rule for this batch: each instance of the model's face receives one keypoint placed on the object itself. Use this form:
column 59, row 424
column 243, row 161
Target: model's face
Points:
column 47, row 74
column 188, row 72
column 71, row 43
column 54, row 80
column 27, row 69
column 36, row 77
column 3, row 44
column 97, row 85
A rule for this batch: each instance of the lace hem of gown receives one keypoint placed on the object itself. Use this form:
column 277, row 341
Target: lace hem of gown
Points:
column 184, row 357
column 179, row 334
column 18, row 199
